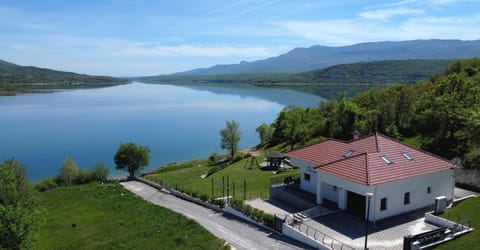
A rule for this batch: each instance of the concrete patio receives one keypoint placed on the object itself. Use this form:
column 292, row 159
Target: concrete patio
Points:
column 350, row 230
column 385, row 234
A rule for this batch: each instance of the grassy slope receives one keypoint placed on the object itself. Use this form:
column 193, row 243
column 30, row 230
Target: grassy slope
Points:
column 113, row 218
column 189, row 178
column 467, row 209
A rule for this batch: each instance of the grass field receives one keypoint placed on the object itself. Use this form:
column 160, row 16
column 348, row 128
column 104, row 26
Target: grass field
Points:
column 109, row 217
column 187, row 176
column 467, row 209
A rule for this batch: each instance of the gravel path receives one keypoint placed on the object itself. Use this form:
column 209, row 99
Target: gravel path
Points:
column 239, row 234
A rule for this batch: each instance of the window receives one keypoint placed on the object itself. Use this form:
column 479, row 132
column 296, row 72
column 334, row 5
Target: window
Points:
column 383, row 204
column 306, row 177
column 429, row 190
column 406, row 198
column 334, row 188
column 386, row 160
column 348, row 153
column 407, row 156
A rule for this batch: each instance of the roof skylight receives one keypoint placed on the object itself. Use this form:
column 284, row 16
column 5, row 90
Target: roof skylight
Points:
column 407, row 156
column 386, row 160
column 348, row 153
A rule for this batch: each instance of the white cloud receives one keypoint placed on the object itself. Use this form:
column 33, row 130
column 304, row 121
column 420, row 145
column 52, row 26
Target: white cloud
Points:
column 385, row 14
column 350, row 31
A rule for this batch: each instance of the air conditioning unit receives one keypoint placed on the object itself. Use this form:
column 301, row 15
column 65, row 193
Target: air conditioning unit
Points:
column 440, row 204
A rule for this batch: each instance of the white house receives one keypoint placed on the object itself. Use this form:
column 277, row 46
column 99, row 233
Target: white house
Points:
column 397, row 177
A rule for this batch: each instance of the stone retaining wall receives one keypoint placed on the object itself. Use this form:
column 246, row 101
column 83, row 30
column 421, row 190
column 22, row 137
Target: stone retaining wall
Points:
column 468, row 176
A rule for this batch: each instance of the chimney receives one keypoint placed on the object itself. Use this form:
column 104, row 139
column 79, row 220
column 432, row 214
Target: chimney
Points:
column 356, row 135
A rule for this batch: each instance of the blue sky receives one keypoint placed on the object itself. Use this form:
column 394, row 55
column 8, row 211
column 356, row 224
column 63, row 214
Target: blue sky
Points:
column 133, row 37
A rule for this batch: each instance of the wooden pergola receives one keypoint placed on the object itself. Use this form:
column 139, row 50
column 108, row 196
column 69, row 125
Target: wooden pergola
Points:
column 275, row 159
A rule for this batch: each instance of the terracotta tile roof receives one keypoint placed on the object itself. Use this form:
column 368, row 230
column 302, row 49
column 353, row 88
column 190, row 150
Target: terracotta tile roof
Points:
column 365, row 165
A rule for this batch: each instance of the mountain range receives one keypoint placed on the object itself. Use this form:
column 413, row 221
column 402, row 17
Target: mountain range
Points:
column 319, row 57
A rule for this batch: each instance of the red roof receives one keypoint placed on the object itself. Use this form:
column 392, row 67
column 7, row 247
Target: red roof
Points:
column 365, row 165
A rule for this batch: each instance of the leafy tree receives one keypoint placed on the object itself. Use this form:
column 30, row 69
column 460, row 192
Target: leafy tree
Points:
column 68, row 172
column 132, row 157
column 19, row 213
column 265, row 132
column 230, row 137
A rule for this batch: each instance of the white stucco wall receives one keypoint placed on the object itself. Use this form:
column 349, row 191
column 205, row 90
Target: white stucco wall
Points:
column 306, row 167
column 329, row 192
column 441, row 183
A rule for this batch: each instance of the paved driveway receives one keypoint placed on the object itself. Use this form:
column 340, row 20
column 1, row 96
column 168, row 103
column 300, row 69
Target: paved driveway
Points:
column 241, row 235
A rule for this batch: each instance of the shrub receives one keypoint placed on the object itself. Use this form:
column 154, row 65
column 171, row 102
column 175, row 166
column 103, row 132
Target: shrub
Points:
column 83, row 177
column 99, row 172
column 46, row 184
column 204, row 197
column 68, row 172
column 214, row 157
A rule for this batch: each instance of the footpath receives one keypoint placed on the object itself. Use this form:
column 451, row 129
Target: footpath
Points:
column 239, row 234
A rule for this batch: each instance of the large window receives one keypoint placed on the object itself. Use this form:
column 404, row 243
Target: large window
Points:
column 406, row 198
column 383, row 204
column 306, row 177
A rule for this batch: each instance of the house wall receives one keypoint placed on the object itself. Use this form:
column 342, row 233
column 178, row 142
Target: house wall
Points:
column 306, row 167
column 441, row 183
column 329, row 193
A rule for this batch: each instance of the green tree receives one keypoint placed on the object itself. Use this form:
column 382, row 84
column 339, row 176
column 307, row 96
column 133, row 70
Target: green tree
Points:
column 20, row 216
column 230, row 137
column 265, row 133
column 68, row 172
column 99, row 172
column 132, row 157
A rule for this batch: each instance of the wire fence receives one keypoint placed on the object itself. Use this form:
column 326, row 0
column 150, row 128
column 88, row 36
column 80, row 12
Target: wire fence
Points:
column 317, row 235
column 219, row 188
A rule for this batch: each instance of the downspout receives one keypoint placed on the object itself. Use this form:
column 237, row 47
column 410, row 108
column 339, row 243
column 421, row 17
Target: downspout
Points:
column 375, row 205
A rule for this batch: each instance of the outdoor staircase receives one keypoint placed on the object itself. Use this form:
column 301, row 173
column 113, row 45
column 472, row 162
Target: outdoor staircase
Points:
column 312, row 213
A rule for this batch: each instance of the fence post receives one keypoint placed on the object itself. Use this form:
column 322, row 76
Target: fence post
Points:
column 244, row 189
column 228, row 189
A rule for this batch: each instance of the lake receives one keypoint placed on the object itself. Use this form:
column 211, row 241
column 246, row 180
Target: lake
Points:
column 177, row 123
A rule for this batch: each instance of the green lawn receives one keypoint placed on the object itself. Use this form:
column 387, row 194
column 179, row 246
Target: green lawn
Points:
column 95, row 217
column 257, row 180
column 469, row 208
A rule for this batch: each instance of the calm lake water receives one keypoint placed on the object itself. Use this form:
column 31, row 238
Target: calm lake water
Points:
column 177, row 123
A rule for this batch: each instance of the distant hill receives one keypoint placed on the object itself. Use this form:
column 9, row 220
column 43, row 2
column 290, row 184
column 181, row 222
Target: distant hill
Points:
column 319, row 57
column 378, row 72
column 328, row 83
column 33, row 77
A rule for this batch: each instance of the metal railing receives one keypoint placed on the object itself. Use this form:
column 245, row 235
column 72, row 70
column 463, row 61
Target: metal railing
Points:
column 285, row 179
column 316, row 234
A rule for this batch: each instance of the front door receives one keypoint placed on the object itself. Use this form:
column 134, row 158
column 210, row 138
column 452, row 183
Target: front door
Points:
column 356, row 204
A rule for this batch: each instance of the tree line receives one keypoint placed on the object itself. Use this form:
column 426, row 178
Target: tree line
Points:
column 441, row 115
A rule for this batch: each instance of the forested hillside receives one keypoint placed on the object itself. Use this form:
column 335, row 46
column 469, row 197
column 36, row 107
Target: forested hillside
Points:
column 16, row 77
column 441, row 115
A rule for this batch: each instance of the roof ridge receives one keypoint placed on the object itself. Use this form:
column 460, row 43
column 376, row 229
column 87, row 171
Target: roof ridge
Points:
column 351, row 157
column 376, row 141
column 306, row 146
